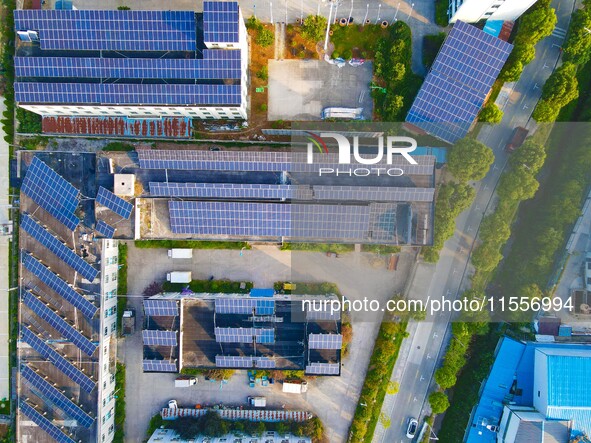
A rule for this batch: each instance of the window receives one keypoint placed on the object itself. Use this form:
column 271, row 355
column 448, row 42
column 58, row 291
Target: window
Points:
column 106, row 331
column 106, row 278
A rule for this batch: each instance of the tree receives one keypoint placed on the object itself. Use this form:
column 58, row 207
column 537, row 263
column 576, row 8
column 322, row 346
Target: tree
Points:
column 535, row 25
column 486, row 257
column 562, row 86
column 524, row 52
column 392, row 105
column 511, row 71
column 577, row 48
column 545, row 111
column 517, row 185
column 490, row 114
column 439, row 402
column 264, row 37
column 495, row 228
column 530, row 155
column 470, row 160
column 393, row 387
column 314, row 27
column 445, row 377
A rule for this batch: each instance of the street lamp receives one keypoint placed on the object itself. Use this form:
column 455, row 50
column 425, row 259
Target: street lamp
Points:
column 378, row 17
column 397, row 9
column 328, row 27
column 366, row 14
column 350, row 12
column 412, row 5
column 271, row 8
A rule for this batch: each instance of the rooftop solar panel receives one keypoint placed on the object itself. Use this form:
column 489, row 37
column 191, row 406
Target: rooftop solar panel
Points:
column 312, row 315
column 220, row 22
column 161, row 308
column 105, row 229
column 59, row 286
column 52, row 430
column 114, row 203
column 58, row 248
column 325, row 341
column 56, row 397
column 52, row 192
column 234, row 335
column 159, row 366
column 223, row 361
column 263, row 362
column 461, row 76
column 121, row 94
column 244, row 306
column 323, row 368
column 58, row 360
column 159, row 338
column 59, row 324
column 112, row 30
column 221, row 190
column 214, row 68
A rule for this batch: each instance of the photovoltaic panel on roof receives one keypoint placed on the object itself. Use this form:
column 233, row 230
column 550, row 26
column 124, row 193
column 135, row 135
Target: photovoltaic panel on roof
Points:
column 59, row 361
column 52, row 192
column 159, row 338
column 105, row 229
column 161, row 308
column 52, row 430
column 461, row 76
column 114, row 203
column 48, row 391
column 325, row 341
column 327, row 315
column 59, row 286
column 229, row 361
column 221, row 190
column 234, row 305
column 159, row 366
column 122, row 94
column 323, row 368
column 265, row 336
column 220, row 22
column 214, row 68
column 263, row 362
column 59, row 324
column 111, row 30
column 58, row 248
column 234, row 335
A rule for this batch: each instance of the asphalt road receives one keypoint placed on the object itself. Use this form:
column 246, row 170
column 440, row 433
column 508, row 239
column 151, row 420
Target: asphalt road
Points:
column 419, row 359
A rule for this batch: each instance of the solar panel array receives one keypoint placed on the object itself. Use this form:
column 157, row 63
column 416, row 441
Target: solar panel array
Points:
column 111, row 29
column 244, row 335
column 161, row 308
column 52, row 430
column 244, row 306
column 58, row 360
column 312, row 315
column 227, row 361
column 461, row 77
column 52, row 192
column 325, row 341
column 59, row 286
column 121, row 94
column 159, row 366
column 56, row 397
column 323, row 368
column 105, row 229
column 59, row 324
column 57, row 247
column 215, row 67
column 114, row 203
column 159, row 338
column 220, row 22
column 263, row 161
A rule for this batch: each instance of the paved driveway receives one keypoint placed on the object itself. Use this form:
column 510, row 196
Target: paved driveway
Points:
column 333, row 399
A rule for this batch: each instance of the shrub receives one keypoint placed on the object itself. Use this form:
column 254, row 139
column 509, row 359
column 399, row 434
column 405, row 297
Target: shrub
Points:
column 314, row 27
column 265, row 37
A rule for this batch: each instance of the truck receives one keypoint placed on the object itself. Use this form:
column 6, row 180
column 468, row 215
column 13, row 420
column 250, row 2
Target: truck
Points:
column 185, row 382
column 517, row 139
column 180, row 253
column 257, row 402
column 295, row 386
column 179, row 276
column 128, row 321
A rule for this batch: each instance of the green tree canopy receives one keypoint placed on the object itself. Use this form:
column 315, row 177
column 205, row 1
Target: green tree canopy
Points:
column 495, row 228
column 265, row 37
column 439, row 402
column 535, row 25
column 490, row 114
column 470, row 159
column 577, row 48
column 314, row 27
column 562, row 86
column 517, row 185
column 445, row 377
column 486, row 256
column 545, row 111
column 530, row 155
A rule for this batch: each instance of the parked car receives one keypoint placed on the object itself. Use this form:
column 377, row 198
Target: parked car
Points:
column 411, row 430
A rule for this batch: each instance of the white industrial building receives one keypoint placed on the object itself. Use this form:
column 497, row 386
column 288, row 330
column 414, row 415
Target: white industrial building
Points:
column 472, row 11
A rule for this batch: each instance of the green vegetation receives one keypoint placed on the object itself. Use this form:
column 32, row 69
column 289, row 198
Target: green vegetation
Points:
column 490, row 114
column 392, row 71
column 538, row 22
column 560, row 89
column 441, row 17
column 381, row 249
column 28, row 122
column 120, row 404
column 7, row 67
column 339, row 248
column 431, row 46
column 155, row 423
column 118, row 146
column 381, row 364
column 308, row 288
column 439, row 402
column 212, row 425
column 264, row 36
column 452, row 199
column 190, row 244
column 123, row 8
column 263, row 73
column 314, row 27
column 121, row 285
column 212, row 286
column 577, row 47
column 356, row 40
column 469, row 160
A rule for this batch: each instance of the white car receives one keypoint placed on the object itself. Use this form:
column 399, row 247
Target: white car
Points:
column 411, row 430
column 172, row 404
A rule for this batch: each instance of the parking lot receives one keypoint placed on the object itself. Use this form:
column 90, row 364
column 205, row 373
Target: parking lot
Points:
column 333, row 399
column 301, row 89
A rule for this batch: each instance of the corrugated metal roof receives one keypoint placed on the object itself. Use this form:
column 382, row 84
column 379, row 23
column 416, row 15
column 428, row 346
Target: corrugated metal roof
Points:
column 568, row 377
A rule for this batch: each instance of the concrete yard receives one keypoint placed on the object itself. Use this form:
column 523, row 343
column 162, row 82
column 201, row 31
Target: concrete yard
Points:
column 301, row 89
column 333, row 399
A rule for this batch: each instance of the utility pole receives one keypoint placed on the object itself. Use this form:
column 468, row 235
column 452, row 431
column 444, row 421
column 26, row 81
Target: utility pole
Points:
column 328, row 27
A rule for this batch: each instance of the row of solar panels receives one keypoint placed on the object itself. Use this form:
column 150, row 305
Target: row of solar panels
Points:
column 120, row 94
column 325, row 341
column 225, row 361
column 157, row 68
column 159, row 366
column 297, row 192
column 323, row 368
column 161, row 308
column 159, row 338
column 244, row 306
column 244, row 335
column 266, row 161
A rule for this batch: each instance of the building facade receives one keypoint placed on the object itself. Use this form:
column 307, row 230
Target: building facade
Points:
column 472, row 11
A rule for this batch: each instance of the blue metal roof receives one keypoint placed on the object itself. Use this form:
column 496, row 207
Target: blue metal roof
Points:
column 568, row 376
column 493, row 27
column 439, row 153
column 260, row 292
